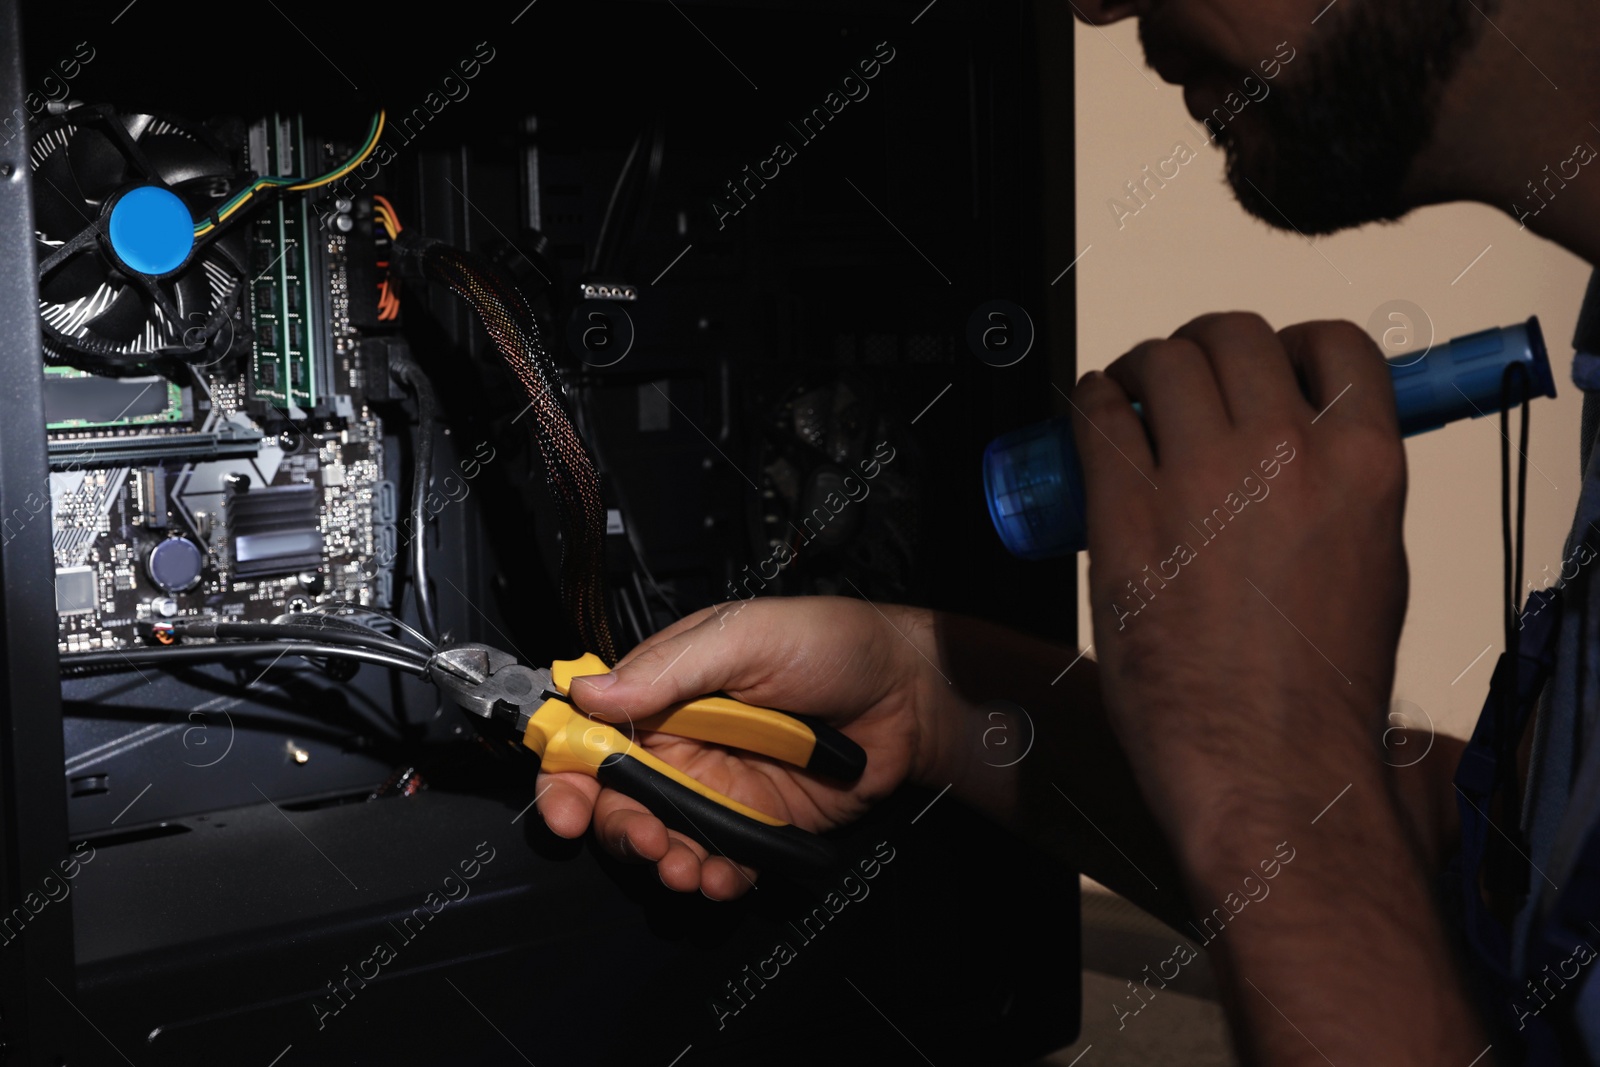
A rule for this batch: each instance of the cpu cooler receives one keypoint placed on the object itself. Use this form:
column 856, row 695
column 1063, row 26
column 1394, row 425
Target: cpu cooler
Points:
column 122, row 278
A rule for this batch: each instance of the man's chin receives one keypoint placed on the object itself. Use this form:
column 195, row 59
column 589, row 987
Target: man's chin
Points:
column 1255, row 167
column 1254, row 183
column 1259, row 204
column 1300, row 194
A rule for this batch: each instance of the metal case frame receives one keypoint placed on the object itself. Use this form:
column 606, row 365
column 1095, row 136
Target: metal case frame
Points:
column 42, row 1011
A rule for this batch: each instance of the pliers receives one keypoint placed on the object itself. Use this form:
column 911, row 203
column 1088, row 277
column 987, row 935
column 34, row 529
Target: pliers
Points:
column 491, row 683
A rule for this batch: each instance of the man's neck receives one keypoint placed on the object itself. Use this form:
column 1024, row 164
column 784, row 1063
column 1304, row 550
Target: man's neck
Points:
column 1519, row 128
column 1572, row 217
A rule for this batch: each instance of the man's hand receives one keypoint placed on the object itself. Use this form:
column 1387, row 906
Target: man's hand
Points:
column 918, row 691
column 1247, row 584
column 1247, row 572
column 858, row 665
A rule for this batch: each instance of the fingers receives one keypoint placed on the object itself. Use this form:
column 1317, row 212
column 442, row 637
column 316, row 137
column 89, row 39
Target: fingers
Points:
column 1343, row 372
column 1174, row 382
column 1230, row 368
column 723, row 879
column 1247, row 359
column 1106, row 427
column 565, row 801
column 1118, row 466
column 626, row 830
column 630, row 833
column 688, row 867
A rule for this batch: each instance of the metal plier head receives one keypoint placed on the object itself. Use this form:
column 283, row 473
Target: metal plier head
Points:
column 491, row 683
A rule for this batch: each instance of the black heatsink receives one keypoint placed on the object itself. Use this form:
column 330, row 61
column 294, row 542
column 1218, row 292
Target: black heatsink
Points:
column 273, row 530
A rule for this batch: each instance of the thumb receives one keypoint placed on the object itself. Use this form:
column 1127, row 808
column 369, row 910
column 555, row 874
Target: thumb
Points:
column 677, row 668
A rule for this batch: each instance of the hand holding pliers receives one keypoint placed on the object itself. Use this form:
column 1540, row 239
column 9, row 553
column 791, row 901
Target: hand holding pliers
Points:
column 492, row 684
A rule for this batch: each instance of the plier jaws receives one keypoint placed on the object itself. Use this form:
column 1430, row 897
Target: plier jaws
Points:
column 490, row 683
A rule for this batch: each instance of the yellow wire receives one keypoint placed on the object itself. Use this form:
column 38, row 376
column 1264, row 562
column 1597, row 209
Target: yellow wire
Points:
column 327, row 179
column 387, row 221
column 390, row 217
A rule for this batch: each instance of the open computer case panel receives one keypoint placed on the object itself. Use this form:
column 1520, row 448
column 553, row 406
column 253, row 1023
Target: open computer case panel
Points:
column 321, row 859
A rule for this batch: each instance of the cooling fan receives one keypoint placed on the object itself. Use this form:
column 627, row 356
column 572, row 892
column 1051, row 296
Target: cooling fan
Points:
column 122, row 277
column 840, row 505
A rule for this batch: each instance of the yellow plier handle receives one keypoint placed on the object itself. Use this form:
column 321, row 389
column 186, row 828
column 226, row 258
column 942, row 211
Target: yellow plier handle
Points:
column 567, row 740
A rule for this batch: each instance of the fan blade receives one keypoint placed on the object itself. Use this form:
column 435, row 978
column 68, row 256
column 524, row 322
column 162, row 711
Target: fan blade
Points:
column 98, row 165
column 191, row 292
column 124, row 320
column 136, row 124
column 230, row 252
column 78, row 277
column 178, row 159
column 59, row 211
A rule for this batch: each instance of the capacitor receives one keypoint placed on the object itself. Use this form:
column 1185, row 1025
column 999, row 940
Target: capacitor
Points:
column 174, row 565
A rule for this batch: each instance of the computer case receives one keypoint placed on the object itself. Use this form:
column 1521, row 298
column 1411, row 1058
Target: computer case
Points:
column 220, row 865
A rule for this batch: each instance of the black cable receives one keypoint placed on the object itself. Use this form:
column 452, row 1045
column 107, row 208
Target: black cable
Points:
column 228, row 651
column 644, row 601
column 610, row 207
column 624, row 209
column 1511, row 864
column 661, row 596
column 1522, row 481
column 652, row 181
column 603, row 235
column 280, row 631
column 409, row 373
column 621, row 593
column 344, row 609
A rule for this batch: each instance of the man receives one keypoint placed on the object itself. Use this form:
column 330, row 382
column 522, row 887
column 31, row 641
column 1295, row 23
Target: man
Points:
column 1228, row 735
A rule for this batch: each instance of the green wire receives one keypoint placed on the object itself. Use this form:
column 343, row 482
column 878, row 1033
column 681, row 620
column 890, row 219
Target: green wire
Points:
column 206, row 225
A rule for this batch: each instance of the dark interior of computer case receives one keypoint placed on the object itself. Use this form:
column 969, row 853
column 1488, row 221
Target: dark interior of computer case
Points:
column 732, row 329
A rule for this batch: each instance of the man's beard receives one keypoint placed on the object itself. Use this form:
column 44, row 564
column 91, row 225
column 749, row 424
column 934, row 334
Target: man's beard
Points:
column 1333, row 144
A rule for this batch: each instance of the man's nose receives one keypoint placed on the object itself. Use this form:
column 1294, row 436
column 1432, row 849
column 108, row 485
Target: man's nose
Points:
column 1102, row 12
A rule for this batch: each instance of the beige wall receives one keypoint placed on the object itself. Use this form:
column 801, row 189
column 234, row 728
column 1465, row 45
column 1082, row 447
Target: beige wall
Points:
column 1191, row 250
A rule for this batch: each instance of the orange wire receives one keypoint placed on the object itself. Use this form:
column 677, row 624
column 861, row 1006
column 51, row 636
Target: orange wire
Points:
column 388, row 301
column 383, row 202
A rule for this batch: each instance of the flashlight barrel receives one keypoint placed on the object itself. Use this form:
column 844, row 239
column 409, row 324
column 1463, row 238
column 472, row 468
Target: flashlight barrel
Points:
column 1033, row 478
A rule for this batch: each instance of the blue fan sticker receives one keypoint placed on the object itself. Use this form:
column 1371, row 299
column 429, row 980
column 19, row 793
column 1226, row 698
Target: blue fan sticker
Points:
column 151, row 231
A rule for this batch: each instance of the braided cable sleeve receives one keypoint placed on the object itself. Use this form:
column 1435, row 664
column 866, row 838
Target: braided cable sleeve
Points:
column 570, row 469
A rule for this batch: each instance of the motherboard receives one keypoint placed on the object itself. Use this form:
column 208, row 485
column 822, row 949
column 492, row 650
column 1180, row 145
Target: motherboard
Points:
column 213, row 443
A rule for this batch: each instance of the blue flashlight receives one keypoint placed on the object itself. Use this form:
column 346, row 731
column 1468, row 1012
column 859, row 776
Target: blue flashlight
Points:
column 1033, row 478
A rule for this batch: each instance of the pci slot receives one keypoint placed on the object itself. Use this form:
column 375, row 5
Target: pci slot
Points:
column 135, row 451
